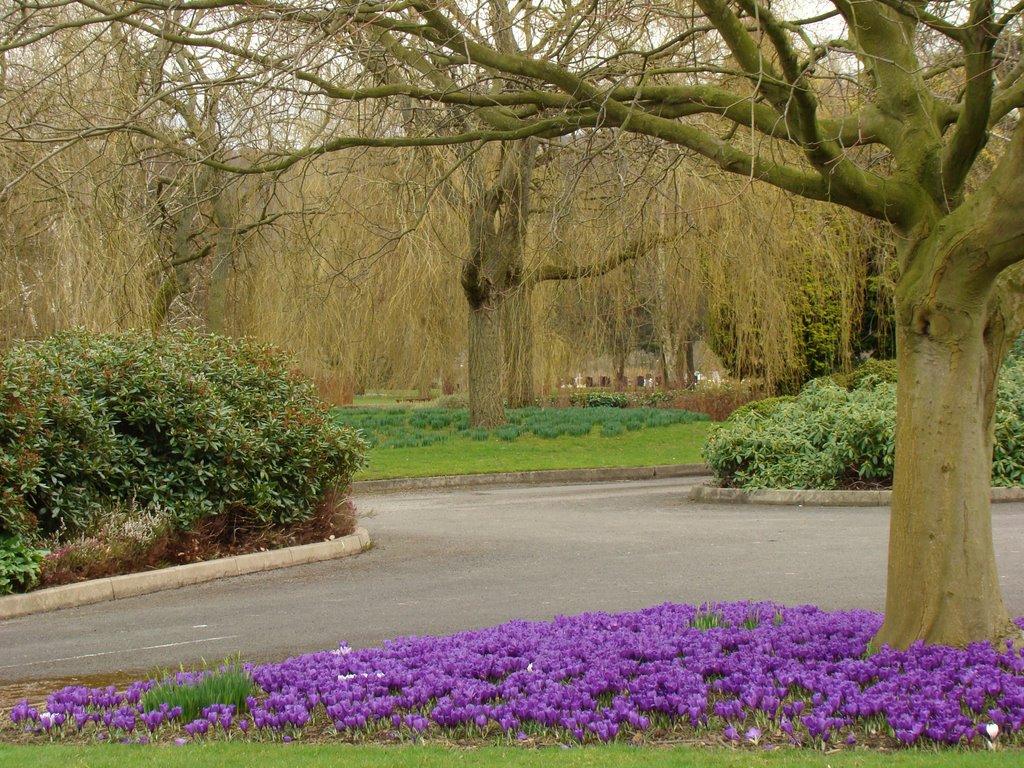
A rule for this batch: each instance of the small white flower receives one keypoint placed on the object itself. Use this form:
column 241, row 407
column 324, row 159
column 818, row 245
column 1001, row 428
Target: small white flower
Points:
column 992, row 731
column 529, row 667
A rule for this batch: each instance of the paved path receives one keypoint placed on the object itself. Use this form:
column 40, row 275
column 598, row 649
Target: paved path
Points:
column 456, row 559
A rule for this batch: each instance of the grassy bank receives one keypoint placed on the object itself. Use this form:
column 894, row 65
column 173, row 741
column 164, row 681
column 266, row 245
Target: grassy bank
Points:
column 460, row 455
column 294, row 755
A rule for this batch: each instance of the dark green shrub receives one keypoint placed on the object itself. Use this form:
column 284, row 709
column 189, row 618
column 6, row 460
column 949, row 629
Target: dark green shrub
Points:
column 195, row 424
column 599, row 399
column 761, row 408
column 20, row 564
column 868, row 373
column 830, row 436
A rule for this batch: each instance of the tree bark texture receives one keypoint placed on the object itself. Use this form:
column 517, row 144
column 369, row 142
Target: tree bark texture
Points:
column 216, row 298
column 517, row 328
column 942, row 580
column 497, row 228
column 958, row 308
column 486, row 387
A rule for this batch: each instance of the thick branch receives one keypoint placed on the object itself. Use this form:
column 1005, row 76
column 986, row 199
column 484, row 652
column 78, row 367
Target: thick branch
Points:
column 971, row 132
column 630, row 251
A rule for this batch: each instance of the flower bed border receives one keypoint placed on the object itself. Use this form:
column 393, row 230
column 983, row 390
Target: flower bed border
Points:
column 135, row 584
column 706, row 494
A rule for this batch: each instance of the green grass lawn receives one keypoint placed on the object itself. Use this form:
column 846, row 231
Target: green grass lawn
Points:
column 290, row 755
column 461, row 455
column 404, row 397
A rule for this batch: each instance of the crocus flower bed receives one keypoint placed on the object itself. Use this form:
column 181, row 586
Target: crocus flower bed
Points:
column 751, row 673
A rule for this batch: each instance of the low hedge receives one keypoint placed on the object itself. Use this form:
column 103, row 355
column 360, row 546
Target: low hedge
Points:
column 192, row 424
column 837, row 433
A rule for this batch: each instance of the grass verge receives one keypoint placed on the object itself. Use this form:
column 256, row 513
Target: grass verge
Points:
column 289, row 755
column 674, row 444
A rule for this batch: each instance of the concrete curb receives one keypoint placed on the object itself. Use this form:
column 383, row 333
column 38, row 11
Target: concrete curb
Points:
column 135, row 584
column 536, row 477
column 706, row 494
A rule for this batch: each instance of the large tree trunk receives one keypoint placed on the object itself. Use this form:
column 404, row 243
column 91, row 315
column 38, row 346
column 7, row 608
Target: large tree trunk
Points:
column 942, row 581
column 497, row 228
column 958, row 307
column 486, row 390
column 682, row 370
column 517, row 329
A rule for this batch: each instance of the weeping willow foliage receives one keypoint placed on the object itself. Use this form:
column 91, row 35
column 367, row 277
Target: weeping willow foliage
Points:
column 768, row 282
column 355, row 268
column 358, row 276
column 353, row 288
column 74, row 251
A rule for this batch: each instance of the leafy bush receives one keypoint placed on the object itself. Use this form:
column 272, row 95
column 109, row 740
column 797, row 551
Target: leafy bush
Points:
column 824, row 438
column 599, row 399
column 195, row 424
column 869, row 373
column 831, row 437
column 20, row 564
column 1008, row 451
column 653, row 398
column 761, row 408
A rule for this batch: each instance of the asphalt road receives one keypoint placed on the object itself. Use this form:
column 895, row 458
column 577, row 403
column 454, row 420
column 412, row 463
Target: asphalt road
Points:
column 457, row 559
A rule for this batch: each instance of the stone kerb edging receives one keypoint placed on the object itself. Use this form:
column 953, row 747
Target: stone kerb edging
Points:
column 135, row 584
column 711, row 495
column 534, row 477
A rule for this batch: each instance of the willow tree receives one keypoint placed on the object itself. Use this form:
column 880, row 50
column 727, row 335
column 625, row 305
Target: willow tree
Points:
column 799, row 103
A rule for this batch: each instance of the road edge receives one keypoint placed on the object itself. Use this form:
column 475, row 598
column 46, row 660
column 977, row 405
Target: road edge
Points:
column 707, row 494
column 147, row 582
column 531, row 477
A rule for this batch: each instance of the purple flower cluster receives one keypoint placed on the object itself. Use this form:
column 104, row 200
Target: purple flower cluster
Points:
column 744, row 671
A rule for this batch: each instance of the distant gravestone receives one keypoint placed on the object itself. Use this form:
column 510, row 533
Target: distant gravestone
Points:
column 605, row 381
column 590, row 381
